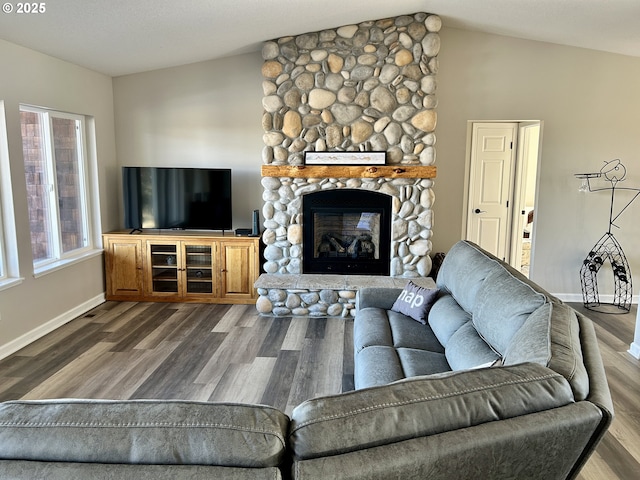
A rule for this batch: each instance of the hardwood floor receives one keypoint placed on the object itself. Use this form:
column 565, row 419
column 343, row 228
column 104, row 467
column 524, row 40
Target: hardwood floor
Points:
column 184, row 351
column 618, row 455
column 123, row 350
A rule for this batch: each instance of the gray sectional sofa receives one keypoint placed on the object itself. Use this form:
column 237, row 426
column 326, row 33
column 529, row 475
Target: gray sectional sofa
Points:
column 488, row 321
column 426, row 404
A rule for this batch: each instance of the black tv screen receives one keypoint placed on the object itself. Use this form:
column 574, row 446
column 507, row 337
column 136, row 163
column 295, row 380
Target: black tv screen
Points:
column 177, row 198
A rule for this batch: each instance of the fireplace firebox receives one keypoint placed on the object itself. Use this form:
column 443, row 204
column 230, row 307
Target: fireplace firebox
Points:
column 346, row 232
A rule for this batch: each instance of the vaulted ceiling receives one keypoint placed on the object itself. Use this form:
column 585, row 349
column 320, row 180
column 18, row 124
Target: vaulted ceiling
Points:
column 119, row 37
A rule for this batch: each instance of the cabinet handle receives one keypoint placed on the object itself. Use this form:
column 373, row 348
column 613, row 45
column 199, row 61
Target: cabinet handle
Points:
column 223, row 271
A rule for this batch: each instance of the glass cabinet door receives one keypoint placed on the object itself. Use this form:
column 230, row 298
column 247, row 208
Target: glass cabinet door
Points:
column 164, row 268
column 198, row 260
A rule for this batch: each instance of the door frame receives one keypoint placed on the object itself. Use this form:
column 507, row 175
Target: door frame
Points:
column 517, row 200
column 520, row 188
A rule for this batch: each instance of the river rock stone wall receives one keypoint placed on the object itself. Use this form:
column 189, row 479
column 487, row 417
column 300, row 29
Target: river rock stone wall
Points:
column 364, row 87
column 306, row 302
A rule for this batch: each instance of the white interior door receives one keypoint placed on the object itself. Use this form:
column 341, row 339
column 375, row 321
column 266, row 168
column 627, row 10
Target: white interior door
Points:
column 491, row 186
column 524, row 195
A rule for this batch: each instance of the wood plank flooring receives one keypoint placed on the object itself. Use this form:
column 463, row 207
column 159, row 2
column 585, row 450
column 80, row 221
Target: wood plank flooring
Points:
column 618, row 455
column 124, row 350
column 185, row 351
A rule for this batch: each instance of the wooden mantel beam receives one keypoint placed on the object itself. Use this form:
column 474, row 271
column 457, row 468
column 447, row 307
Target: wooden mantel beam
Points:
column 349, row 171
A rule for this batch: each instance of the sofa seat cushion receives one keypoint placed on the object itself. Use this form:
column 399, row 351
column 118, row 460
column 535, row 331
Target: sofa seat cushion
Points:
column 422, row 406
column 390, row 346
column 380, row 365
column 416, row 362
column 411, row 334
column 466, row 349
column 375, row 326
column 376, row 365
column 143, row 432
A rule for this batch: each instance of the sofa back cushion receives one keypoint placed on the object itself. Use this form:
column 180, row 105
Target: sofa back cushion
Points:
column 143, row 431
column 446, row 317
column 463, row 271
column 503, row 304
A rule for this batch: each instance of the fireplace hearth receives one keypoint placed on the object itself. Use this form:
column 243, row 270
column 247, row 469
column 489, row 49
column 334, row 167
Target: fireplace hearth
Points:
column 346, row 232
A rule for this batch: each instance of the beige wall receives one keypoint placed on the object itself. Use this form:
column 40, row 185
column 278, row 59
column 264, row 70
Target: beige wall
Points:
column 206, row 114
column 590, row 105
column 33, row 78
column 209, row 114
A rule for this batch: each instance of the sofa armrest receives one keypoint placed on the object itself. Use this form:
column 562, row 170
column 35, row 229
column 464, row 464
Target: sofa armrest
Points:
column 378, row 297
column 598, row 387
column 143, row 432
column 599, row 393
column 422, row 406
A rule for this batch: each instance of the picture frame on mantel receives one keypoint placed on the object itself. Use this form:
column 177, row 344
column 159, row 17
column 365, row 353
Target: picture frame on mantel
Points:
column 345, row 158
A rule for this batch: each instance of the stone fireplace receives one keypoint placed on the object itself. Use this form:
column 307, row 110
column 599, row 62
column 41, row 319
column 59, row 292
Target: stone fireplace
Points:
column 364, row 87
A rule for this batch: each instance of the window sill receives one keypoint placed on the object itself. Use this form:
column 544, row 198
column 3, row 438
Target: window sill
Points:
column 67, row 262
column 10, row 282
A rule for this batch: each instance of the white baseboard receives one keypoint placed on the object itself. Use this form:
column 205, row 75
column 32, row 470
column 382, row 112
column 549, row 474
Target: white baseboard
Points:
column 577, row 298
column 634, row 350
column 570, row 297
column 29, row 337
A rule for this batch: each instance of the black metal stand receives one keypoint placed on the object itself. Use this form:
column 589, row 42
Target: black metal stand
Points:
column 607, row 249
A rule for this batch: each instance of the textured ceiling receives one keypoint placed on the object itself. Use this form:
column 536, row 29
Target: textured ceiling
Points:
column 119, row 37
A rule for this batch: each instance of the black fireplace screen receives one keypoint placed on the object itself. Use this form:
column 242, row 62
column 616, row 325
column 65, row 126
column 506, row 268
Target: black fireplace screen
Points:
column 342, row 235
column 346, row 232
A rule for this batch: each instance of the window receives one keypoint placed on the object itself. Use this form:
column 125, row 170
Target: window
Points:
column 3, row 254
column 56, row 172
column 9, row 274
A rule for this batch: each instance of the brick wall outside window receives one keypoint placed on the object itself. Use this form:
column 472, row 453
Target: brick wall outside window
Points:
column 67, row 177
column 37, row 187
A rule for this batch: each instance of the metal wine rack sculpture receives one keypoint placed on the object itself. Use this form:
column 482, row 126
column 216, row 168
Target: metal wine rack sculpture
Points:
column 607, row 249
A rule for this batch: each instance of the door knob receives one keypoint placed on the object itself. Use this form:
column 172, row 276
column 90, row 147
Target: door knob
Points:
column 477, row 210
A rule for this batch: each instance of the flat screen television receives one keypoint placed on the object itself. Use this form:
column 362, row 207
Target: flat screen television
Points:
column 177, row 198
